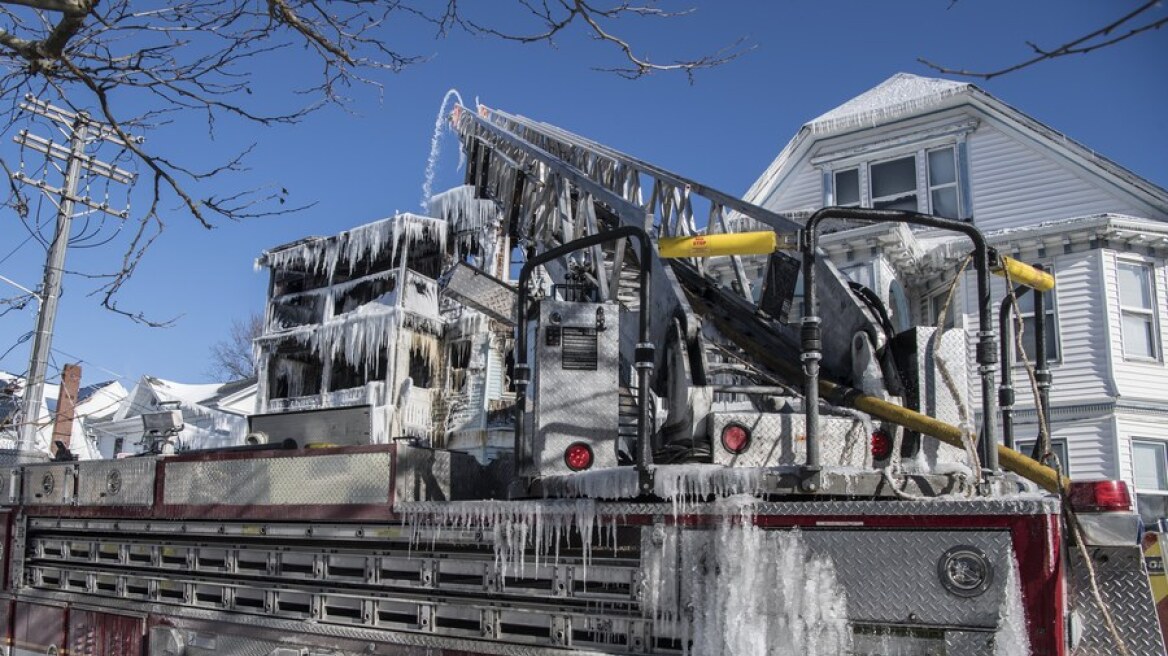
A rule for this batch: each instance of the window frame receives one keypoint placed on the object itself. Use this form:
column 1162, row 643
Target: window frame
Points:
column 955, row 184
column 1057, row 444
column 859, row 186
column 916, row 190
column 1162, row 447
column 1148, row 313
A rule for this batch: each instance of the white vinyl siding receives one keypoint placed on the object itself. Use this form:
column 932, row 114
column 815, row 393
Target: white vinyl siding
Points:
column 1014, row 184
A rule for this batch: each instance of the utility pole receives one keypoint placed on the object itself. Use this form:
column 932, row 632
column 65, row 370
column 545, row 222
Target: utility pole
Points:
column 82, row 132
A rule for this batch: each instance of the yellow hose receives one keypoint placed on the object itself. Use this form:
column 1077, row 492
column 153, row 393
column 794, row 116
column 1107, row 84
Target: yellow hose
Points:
column 734, row 243
column 1024, row 274
column 1009, row 459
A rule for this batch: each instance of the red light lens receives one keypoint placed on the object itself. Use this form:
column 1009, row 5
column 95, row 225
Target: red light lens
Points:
column 578, row 456
column 881, row 444
column 1100, row 496
column 735, row 438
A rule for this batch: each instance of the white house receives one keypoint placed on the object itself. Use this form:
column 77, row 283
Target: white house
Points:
column 951, row 149
column 96, row 403
column 214, row 415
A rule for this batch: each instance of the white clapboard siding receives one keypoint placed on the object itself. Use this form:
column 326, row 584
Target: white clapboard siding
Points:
column 1136, row 380
column 1015, row 184
column 1080, row 374
column 803, row 190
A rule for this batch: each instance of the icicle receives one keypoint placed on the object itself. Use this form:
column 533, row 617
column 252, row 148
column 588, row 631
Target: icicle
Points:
column 1012, row 638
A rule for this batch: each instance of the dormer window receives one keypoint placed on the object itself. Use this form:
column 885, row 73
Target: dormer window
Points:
column 927, row 180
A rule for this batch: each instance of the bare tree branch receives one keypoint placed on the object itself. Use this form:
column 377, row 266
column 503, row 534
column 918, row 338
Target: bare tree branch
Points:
column 1080, row 46
column 199, row 58
column 233, row 358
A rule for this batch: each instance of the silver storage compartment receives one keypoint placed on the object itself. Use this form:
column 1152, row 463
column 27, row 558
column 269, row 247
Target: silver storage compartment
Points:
column 49, row 485
column 126, row 482
column 576, row 383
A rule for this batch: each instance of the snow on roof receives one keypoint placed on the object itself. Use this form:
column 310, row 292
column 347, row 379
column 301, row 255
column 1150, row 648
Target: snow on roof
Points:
column 898, row 96
column 184, row 393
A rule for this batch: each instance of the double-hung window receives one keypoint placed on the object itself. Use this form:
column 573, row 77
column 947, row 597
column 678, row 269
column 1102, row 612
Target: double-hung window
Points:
column 1150, row 471
column 1137, row 307
column 943, row 191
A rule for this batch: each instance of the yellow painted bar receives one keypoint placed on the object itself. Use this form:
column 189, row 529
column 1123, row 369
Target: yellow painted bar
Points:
column 734, row 243
column 1024, row 274
column 1009, row 459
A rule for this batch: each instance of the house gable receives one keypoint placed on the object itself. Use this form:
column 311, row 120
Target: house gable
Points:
column 1013, row 170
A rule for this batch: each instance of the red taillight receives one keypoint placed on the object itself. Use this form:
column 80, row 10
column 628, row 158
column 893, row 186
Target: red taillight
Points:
column 1100, row 496
column 735, row 438
column 881, row 444
column 578, row 456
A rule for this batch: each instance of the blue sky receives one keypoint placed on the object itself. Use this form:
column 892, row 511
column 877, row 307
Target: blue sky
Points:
column 367, row 161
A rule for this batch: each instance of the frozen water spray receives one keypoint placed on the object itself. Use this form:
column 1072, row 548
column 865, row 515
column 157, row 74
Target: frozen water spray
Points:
column 436, row 147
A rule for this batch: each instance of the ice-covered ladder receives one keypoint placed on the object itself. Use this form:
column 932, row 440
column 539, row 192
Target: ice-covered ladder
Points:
column 555, row 186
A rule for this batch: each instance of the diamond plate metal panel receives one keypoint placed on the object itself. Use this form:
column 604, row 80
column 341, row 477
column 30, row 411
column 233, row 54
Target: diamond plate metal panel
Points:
column 969, row 643
column 48, row 485
column 127, row 482
column 1123, row 585
column 483, row 292
column 891, row 576
column 780, row 439
column 575, row 405
column 358, row 478
column 926, row 391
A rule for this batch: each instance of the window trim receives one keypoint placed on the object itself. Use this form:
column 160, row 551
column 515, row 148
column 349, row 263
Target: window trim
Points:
column 1149, row 312
column 1162, row 446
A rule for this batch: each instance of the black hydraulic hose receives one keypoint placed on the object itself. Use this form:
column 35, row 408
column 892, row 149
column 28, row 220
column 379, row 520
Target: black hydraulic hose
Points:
column 810, row 334
column 643, row 356
column 1006, row 388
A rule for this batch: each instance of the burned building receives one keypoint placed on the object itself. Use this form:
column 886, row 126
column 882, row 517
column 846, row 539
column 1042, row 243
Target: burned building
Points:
column 358, row 321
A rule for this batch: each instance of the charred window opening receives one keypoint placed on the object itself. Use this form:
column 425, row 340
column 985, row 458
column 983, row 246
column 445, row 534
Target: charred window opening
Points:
column 297, row 311
column 424, row 256
column 458, row 361
column 421, row 369
column 293, row 281
column 388, row 259
column 378, row 290
column 509, row 367
column 294, row 373
column 345, row 375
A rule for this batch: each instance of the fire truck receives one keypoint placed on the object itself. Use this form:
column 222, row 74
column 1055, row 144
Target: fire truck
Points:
column 635, row 447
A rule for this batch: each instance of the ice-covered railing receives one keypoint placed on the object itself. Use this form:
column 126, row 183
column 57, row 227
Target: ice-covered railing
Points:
column 366, row 242
column 360, row 337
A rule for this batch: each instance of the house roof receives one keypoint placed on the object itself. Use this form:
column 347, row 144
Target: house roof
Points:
column 901, row 95
column 905, row 95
